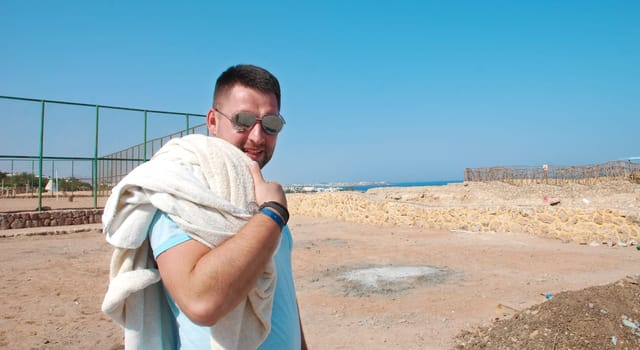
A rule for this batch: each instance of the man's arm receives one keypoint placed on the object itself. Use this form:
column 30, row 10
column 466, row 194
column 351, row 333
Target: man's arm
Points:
column 208, row 283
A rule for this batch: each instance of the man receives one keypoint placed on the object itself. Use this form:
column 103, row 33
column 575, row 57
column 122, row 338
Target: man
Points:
column 215, row 288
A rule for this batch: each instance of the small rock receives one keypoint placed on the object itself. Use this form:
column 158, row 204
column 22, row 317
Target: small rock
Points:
column 629, row 324
column 608, row 243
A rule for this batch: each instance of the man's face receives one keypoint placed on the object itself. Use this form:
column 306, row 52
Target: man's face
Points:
column 254, row 142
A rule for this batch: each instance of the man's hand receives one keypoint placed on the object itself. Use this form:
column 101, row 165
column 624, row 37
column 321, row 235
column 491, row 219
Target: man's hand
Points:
column 266, row 191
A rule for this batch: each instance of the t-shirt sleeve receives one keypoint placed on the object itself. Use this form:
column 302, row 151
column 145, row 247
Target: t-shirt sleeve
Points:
column 164, row 234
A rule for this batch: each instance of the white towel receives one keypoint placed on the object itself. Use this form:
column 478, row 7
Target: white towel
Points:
column 204, row 185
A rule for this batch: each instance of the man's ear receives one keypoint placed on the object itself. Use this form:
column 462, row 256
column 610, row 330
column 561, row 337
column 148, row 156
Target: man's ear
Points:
column 211, row 122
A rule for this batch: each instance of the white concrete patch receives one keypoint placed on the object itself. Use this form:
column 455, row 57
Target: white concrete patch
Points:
column 376, row 276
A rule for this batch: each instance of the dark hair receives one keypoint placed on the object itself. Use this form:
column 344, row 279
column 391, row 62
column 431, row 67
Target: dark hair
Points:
column 249, row 76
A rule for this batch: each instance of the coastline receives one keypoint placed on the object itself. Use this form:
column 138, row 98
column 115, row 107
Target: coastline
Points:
column 361, row 186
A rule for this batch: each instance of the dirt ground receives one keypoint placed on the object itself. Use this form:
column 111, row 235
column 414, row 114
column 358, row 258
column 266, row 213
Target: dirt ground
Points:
column 53, row 286
column 364, row 286
column 483, row 277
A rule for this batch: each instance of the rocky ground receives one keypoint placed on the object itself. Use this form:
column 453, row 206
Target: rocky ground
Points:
column 614, row 194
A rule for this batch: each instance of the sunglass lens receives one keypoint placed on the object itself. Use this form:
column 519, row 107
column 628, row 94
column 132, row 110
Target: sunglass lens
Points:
column 245, row 120
column 272, row 124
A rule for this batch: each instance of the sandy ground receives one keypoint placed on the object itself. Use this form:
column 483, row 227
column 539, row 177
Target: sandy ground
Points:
column 53, row 286
column 8, row 204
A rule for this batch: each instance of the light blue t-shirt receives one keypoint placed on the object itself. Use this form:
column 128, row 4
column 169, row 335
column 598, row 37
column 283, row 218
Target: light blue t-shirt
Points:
column 285, row 327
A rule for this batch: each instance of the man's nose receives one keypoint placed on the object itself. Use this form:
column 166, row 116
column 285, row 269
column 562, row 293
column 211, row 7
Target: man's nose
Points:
column 256, row 133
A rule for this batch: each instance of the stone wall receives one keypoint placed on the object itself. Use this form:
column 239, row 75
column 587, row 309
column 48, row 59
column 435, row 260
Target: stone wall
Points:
column 49, row 218
column 568, row 224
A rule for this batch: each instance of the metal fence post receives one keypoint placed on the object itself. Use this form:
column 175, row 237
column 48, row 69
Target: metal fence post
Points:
column 40, row 157
column 94, row 176
column 145, row 136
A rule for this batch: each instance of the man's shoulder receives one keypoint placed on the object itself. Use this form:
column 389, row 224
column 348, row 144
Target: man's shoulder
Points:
column 165, row 234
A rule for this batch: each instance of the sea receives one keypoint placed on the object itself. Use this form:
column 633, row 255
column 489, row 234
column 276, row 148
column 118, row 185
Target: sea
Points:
column 365, row 187
column 362, row 186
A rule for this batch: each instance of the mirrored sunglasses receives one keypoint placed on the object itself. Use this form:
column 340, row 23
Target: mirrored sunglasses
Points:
column 271, row 124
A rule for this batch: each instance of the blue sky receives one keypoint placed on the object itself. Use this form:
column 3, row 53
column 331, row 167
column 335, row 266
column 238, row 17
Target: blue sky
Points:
column 386, row 90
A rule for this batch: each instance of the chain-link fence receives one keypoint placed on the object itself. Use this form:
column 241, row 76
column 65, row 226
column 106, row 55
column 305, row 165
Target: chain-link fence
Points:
column 69, row 149
column 557, row 175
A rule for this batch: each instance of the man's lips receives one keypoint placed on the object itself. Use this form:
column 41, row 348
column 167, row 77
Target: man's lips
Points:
column 253, row 152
